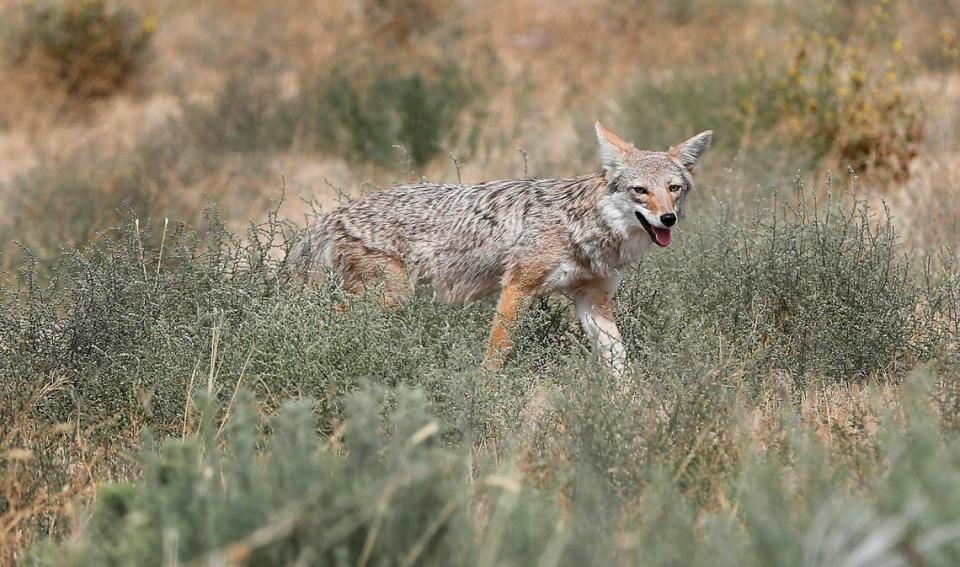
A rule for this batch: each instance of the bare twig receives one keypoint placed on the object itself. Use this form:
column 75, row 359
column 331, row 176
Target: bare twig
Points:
column 233, row 397
column 189, row 401
column 163, row 239
column 421, row 544
column 143, row 263
column 525, row 155
column 406, row 160
column 458, row 165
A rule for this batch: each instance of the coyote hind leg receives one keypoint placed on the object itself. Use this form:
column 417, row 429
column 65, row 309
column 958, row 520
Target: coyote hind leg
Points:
column 386, row 273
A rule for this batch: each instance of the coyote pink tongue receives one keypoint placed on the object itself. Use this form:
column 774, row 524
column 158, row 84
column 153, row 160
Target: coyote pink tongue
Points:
column 662, row 236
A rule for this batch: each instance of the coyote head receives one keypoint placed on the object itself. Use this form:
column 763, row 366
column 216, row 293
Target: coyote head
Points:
column 647, row 188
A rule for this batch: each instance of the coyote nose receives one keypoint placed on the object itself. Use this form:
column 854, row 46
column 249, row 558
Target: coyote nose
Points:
column 668, row 219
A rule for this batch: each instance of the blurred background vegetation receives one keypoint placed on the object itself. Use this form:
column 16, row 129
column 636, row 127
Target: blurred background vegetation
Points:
column 159, row 106
column 168, row 393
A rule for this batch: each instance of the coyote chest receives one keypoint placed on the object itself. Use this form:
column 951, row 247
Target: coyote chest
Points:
column 525, row 237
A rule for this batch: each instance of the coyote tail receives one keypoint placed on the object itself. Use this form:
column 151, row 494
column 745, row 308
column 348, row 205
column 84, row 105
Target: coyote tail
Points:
column 312, row 252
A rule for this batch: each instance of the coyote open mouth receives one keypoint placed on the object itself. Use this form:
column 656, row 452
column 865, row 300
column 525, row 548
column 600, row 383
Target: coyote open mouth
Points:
column 659, row 236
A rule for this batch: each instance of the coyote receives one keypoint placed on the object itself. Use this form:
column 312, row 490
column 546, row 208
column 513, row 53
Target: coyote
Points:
column 524, row 237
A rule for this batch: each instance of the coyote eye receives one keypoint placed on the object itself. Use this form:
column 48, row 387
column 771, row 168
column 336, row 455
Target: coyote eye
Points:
column 675, row 188
column 640, row 190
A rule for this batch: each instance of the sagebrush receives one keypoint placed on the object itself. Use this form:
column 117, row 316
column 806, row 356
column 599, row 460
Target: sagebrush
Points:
column 135, row 333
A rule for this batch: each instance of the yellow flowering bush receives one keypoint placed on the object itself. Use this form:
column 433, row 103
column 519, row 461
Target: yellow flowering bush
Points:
column 852, row 101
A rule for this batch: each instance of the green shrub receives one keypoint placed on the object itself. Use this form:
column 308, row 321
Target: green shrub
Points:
column 123, row 333
column 366, row 114
column 814, row 291
column 390, row 493
column 825, row 95
column 248, row 115
column 659, row 113
column 677, row 417
column 137, row 316
column 377, row 113
column 397, row 495
column 90, row 47
column 817, row 293
column 395, row 22
column 65, row 201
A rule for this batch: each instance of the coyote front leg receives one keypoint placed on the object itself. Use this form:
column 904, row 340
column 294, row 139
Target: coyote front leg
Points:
column 513, row 297
column 594, row 303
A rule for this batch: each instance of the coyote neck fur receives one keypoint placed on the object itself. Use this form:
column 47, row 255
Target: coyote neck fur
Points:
column 601, row 239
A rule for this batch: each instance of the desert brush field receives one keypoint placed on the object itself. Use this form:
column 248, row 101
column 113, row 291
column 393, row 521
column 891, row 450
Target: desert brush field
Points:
column 172, row 393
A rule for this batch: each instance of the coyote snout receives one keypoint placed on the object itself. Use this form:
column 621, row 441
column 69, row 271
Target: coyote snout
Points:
column 523, row 237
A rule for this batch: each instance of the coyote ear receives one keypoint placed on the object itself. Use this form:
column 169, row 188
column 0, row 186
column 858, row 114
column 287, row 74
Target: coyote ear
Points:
column 690, row 151
column 613, row 148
